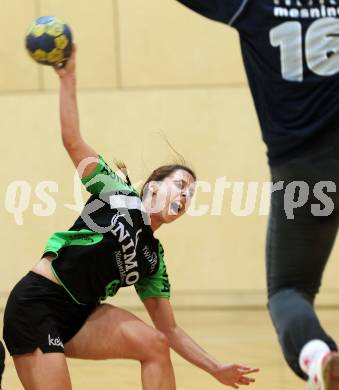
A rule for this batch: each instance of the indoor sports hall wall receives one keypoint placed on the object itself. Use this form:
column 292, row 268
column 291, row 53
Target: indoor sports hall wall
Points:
column 147, row 69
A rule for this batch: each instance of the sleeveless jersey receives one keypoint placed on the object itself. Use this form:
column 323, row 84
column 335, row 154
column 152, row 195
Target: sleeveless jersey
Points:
column 290, row 50
column 111, row 244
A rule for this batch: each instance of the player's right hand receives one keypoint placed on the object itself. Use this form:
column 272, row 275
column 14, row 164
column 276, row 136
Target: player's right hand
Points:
column 234, row 375
column 68, row 69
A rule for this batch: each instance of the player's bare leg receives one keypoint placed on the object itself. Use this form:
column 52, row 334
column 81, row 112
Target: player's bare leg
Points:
column 2, row 361
column 41, row 371
column 111, row 333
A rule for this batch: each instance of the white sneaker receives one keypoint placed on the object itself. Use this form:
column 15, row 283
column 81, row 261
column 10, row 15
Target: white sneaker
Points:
column 326, row 376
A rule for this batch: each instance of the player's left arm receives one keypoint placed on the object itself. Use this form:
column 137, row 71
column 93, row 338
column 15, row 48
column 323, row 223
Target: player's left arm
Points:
column 76, row 147
column 161, row 313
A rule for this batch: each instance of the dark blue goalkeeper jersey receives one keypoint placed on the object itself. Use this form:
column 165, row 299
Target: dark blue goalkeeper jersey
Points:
column 290, row 50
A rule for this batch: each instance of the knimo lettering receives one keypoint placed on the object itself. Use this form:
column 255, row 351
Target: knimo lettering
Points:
column 129, row 247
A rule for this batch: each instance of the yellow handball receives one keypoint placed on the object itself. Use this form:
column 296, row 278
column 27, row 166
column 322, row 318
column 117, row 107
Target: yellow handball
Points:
column 49, row 41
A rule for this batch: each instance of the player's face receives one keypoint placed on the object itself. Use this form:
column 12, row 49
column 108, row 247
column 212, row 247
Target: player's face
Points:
column 173, row 196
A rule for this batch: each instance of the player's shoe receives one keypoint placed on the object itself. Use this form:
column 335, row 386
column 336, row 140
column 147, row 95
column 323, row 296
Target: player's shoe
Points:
column 2, row 361
column 326, row 376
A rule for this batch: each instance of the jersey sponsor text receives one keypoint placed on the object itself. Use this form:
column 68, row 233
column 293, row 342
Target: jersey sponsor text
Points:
column 128, row 249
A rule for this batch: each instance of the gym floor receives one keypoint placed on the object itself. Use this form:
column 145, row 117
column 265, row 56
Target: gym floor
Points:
column 239, row 336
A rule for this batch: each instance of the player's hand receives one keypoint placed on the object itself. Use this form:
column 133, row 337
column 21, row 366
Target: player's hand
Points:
column 234, row 375
column 68, row 69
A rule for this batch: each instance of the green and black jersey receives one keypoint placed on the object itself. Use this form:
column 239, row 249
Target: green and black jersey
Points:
column 110, row 245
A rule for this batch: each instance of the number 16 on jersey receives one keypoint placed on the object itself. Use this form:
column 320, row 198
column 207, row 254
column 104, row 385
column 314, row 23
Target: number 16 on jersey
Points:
column 321, row 45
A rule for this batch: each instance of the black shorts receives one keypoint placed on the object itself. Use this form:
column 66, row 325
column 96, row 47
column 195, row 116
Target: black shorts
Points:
column 41, row 314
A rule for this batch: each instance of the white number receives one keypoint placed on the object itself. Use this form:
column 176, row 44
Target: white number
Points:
column 321, row 48
column 288, row 37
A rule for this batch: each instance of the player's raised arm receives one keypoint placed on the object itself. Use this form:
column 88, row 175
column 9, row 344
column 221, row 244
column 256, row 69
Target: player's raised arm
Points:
column 72, row 140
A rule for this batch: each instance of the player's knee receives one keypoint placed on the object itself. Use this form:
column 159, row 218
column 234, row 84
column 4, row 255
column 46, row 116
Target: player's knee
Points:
column 157, row 345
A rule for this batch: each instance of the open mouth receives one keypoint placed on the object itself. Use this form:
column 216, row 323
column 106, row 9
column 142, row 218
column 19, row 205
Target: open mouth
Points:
column 176, row 207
